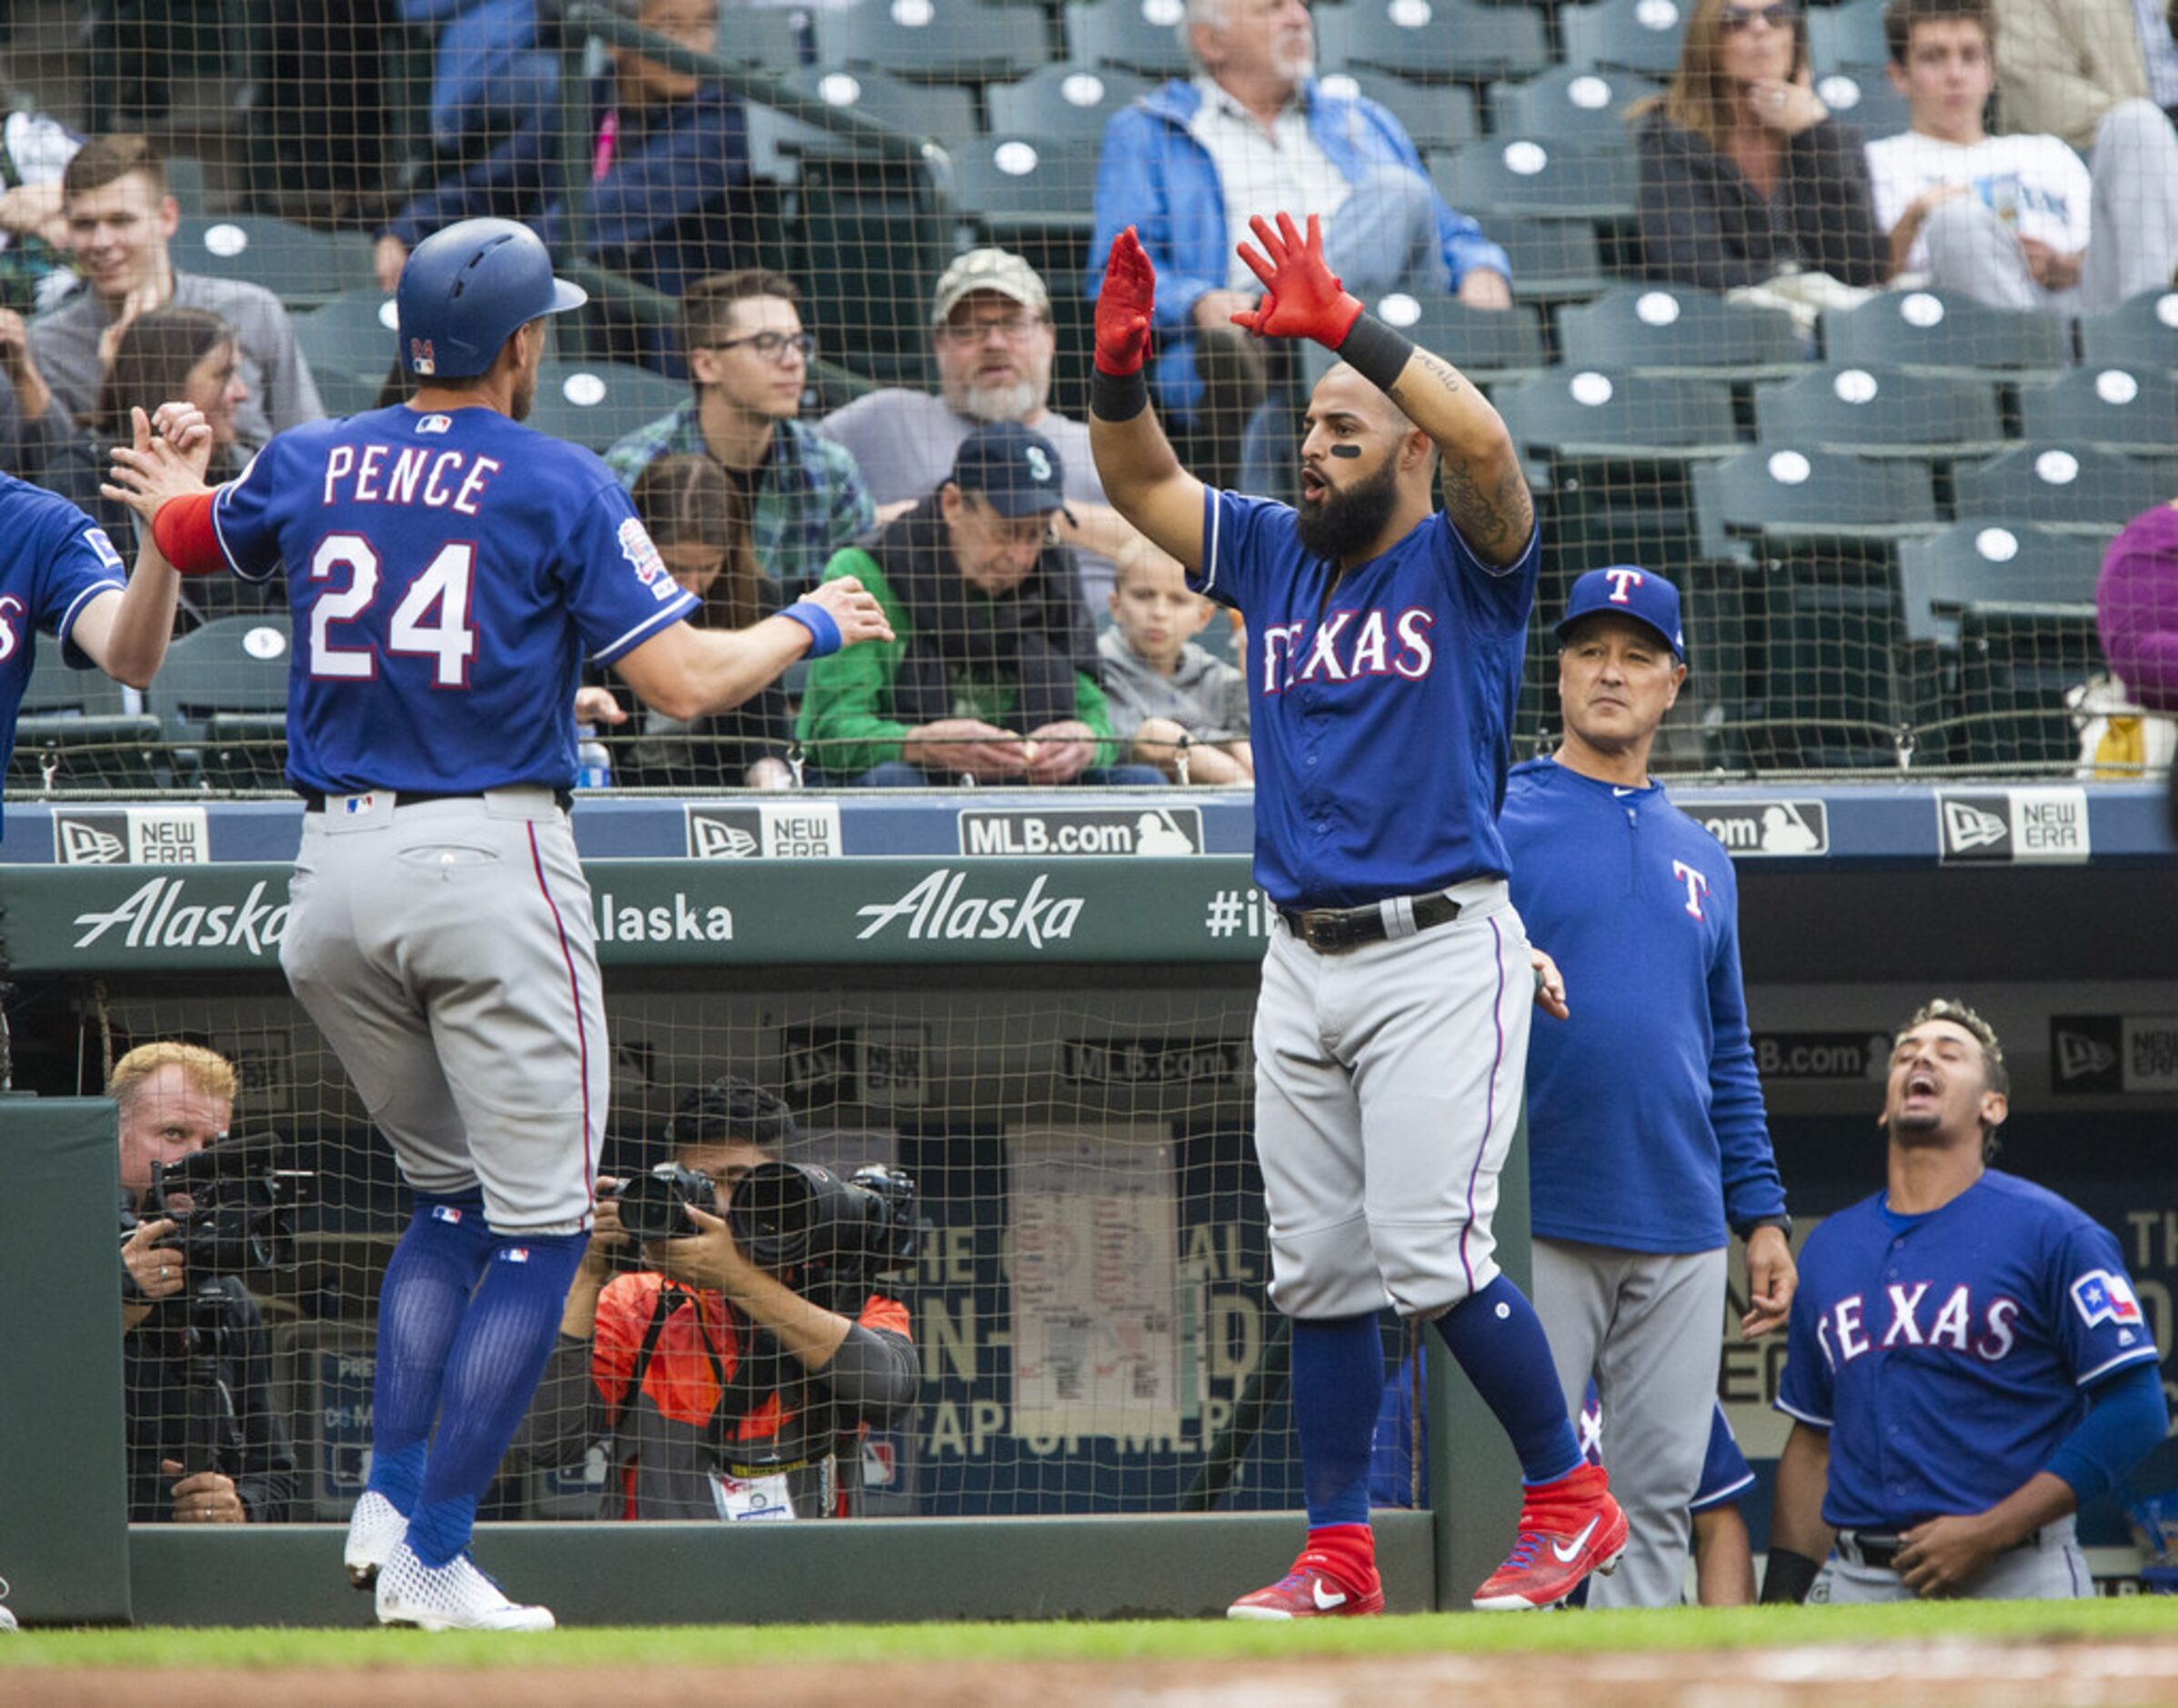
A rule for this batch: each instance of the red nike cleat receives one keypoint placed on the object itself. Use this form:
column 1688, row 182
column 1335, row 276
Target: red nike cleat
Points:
column 1568, row 1529
column 1311, row 1591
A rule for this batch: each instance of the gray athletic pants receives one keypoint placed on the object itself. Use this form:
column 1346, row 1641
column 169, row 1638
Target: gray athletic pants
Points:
column 2050, row 1568
column 1645, row 1324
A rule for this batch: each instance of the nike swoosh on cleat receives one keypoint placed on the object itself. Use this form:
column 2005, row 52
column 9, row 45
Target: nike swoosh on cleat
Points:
column 1325, row 1601
column 1567, row 1552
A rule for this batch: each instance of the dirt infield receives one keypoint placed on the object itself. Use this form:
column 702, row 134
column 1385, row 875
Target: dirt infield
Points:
column 1893, row 1675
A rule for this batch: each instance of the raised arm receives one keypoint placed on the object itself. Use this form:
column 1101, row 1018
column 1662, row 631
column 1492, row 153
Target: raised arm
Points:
column 1485, row 493
column 686, row 672
column 1141, row 477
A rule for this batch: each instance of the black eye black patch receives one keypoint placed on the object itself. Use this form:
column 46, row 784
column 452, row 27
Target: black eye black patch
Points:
column 1346, row 450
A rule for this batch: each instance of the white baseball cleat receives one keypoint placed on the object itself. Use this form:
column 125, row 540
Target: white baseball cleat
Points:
column 374, row 1529
column 454, row 1596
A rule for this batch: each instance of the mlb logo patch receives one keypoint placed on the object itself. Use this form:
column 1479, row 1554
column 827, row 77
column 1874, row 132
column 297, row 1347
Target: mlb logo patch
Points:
column 515, row 1254
column 445, row 1213
column 436, row 424
column 422, row 359
column 2102, row 1297
column 358, row 803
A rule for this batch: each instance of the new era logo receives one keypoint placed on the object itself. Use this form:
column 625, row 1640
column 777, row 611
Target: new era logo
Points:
column 87, row 845
column 2079, row 1056
column 716, row 838
column 1967, row 827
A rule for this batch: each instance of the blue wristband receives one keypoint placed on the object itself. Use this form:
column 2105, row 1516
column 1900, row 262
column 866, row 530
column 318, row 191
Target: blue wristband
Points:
column 824, row 632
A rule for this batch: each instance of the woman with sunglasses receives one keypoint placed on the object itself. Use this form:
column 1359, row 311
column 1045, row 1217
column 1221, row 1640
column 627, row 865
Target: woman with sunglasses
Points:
column 1744, row 173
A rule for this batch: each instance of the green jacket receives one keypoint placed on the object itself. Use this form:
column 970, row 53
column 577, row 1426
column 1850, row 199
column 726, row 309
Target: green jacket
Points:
column 847, row 700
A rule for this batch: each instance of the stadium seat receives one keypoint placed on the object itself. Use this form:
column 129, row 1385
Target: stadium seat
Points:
column 1008, row 186
column 595, row 403
column 944, row 113
column 117, row 750
column 1587, row 415
column 351, row 345
column 870, row 239
column 1933, row 333
column 2016, row 665
column 300, row 266
column 1433, row 41
column 1668, row 329
column 2113, row 408
column 1502, row 174
column 1990, row 562
column 767, row 38
column 54, row 688
column 1848, row 34
column 1434, row 115
column 1787, row 496
column 243, row 750
column 1063, row 103
column 1484, row 344
column 2083, row 491
column 1139, row 35
column 935, row 40
column 1553, row 260
column 235, row 664
column 2140, row 334
column 1569, row 105
column 1641, row 35
column 1862, row 96
column 1877, row 413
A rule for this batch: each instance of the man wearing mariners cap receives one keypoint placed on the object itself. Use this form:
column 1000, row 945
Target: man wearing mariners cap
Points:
column 992, row 673
column 1648, row 1144
column 991, row 334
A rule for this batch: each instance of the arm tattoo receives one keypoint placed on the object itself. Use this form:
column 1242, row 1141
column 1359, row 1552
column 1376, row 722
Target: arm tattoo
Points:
column 1496, row 522
column 1438, row 368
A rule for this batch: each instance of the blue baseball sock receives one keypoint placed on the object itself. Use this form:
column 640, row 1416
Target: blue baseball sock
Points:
column 1499, row 1341
column 1338, row 1388
column 421, row 1303
column 491, row 1376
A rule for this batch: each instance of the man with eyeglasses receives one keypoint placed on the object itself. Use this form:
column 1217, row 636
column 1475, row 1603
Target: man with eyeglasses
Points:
column 991, row 330
column 748, row 362
column 991, row 674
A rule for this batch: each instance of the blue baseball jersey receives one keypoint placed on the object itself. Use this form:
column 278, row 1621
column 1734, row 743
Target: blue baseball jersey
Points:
column 54, row 561
column 1380, row 710
column 1645, row 1123
column 1949, row 1354
column 446, row 574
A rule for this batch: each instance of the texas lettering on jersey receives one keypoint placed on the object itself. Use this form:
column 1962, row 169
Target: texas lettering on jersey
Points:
column 1346, row 647
column 1903, row 1315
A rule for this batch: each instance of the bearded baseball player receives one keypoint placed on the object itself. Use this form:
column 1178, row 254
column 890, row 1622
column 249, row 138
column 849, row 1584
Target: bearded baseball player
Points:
column 448, row 569
column 1392, row 1030
column 1647, row 1146
column 1967, row 1361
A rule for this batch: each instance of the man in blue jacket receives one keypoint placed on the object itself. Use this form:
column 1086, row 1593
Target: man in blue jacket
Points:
column 1253, row 131
column 1648, row 1145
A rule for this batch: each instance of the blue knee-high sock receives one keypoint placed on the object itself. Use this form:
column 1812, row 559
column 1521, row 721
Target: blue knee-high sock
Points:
column 1499, row 1341
column 491, row 1377
column 425, row 1294
column 1338, row 1388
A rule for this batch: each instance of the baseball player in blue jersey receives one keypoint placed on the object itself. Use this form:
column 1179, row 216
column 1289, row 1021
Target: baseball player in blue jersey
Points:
column 1390, row 1034
column 449, row 570
column 59, row 572
column 1647, row 1140
column 1967, row 1361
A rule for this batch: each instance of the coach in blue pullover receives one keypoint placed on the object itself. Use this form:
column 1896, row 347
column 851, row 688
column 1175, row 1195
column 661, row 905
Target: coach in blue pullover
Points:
column 1647, row 1146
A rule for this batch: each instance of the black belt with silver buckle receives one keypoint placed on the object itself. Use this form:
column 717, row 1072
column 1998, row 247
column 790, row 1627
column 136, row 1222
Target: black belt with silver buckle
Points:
column 313, row 801
column 1879, row 1549
column 1334, row 930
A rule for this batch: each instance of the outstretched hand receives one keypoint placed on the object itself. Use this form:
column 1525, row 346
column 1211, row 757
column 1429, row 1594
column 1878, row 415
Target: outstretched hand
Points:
column 1124, row 306
column 166, row 461
column 1303, row 297
column 853, row 608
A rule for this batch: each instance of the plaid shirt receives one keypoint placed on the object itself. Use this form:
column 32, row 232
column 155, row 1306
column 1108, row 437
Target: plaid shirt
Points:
column 809, row 502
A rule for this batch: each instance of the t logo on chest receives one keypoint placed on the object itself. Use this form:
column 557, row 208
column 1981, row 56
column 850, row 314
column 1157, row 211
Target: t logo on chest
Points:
column 1346, row 647
column 1697, row 885
column 1848, row 1330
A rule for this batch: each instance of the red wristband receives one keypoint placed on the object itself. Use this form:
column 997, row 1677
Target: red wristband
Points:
column 184, row 534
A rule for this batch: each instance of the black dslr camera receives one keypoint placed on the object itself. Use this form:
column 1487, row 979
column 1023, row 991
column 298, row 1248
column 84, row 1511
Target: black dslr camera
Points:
column 239, row 1219
column 787, row 1216
column 653, row 1206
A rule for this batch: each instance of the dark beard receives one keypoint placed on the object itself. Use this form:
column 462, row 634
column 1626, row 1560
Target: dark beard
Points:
column 1347, row 523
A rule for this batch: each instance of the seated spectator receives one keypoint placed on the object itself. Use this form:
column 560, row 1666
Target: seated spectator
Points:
column 2065, row 64
column 120, row 219
column 991, row 329
column 492, row 67
column 175, row 1099
column 668, row 156
column 749, row 362
column 1744, row 174
column 721, row 1389
column 1181, row 707
column 2016, row 222
column 991, row 674
column 1253, row 132
column 699, row 524
column 34, row 150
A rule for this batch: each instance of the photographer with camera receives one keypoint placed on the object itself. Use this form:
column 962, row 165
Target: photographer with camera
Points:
column 733, row 1373
column 205, row 1442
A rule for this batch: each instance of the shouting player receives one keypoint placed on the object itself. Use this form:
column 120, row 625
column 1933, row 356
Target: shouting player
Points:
column 448, row 569
column 1967, row 1364
column 1391, row 1029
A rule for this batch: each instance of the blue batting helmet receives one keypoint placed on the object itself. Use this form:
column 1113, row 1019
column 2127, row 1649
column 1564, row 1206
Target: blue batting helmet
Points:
column 464, row 291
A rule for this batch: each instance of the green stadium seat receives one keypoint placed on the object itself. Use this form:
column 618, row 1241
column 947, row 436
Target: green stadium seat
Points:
column 870, row 240
column 1141, row 35
column 1874, row 413
column 943, row 113
column 2016, row 665
column 55, row 688
column 2082, row 491
column 1930, row 332
column 935, row 40
column 1862, row 96
column 1586, row 415
column 1988, row 561
column 1639, row 36
column 1500, row 174
column 1483, row 343
column 245, row 750
column 1433, row 41
column 1008, row 186
column 595, row 403
column 1784, row 499
column 1553, row 260
column 1433, row 114
column 2140, row 334
column 301, row 266
column 2113, row 408
column 1848, row 34
column 1063, row 103
column 1569, row 104
column 765, row 38
column 235, row 664
column 351, row 345
column 118, row 750
column 1671, row 330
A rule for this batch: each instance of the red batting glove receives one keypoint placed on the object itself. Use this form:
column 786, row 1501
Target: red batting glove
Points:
column 1124, row 305
column 1303, row 297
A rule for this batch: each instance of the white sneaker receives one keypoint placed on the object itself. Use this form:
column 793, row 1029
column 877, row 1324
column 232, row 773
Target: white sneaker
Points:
column 373, row 1529
column 454, row 1596
column 7, row 1618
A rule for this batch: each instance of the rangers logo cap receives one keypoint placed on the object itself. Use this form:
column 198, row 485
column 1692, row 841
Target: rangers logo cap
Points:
column 1017, row 469
column 999, row 270
column 1627, row 591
